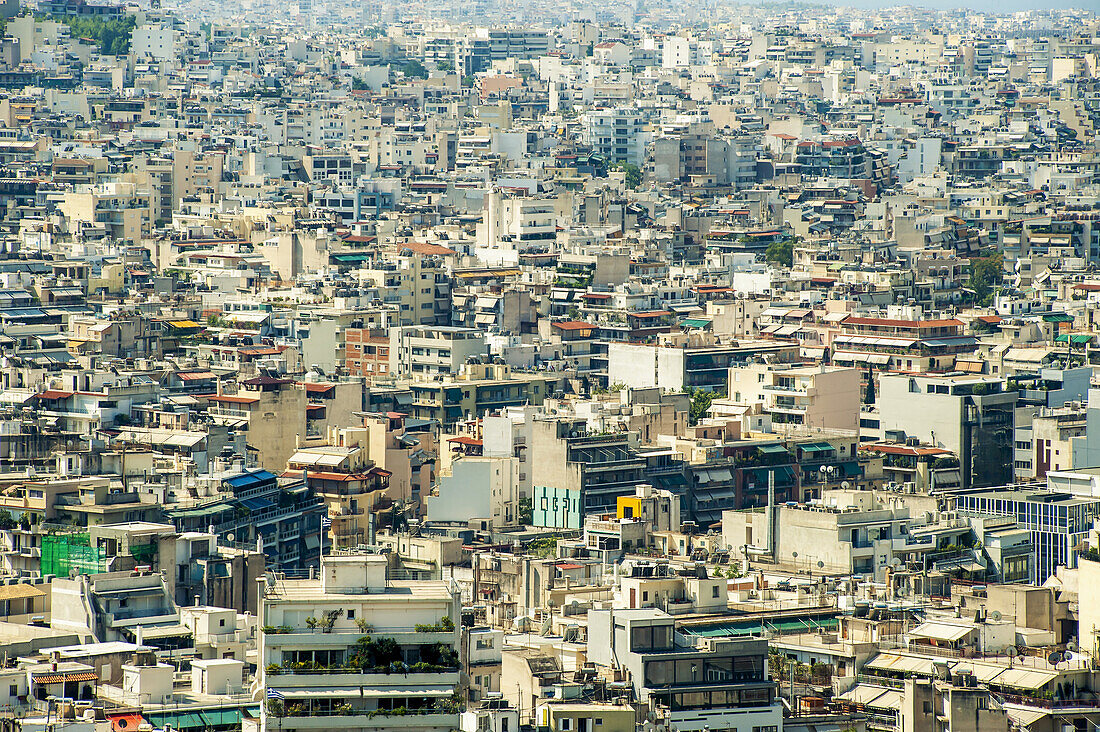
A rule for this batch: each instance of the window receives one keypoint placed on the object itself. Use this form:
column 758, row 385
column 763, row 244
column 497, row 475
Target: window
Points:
column 563, row 724
column 351, row 615
column 714, row 591
column 651, row 638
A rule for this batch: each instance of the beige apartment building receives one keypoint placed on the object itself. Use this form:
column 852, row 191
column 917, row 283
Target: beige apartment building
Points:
column 811, row 396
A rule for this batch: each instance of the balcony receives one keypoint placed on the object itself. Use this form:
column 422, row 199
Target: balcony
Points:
column 333, row 678
column 369, row 720
column 345, row 637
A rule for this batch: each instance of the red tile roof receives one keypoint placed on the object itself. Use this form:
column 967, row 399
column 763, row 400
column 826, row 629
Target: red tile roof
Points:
column 573, row 325
column 52, row 394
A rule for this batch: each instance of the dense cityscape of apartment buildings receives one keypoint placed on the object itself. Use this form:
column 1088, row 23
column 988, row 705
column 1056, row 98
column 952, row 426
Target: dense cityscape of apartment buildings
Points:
column 523, row 367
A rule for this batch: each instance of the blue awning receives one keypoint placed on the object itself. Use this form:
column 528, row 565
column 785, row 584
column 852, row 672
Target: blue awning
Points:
column 249, row 480
column 256, row 504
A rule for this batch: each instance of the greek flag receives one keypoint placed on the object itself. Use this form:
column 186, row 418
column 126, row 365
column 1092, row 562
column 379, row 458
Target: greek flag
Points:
column 326, row 522
column 275, row 694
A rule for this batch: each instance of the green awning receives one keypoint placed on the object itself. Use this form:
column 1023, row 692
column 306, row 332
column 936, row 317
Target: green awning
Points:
column 670, row 480
column 1075, row 338
column 849, row 469
column 784, row 475
column 178, row 720
column 775, row 449
column 1058, row 318
column 202, row 512
column 817, row 447
column 221, row 717
column 695, row 323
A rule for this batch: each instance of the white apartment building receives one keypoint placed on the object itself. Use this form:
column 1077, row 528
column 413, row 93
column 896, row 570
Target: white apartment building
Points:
column 353, row 651
column 617, row 134
column 433, row 349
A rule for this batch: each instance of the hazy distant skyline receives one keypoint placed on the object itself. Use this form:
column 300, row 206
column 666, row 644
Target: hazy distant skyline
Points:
column 988, row 6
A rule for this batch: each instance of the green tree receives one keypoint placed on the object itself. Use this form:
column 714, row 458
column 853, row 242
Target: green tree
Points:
column 780, row 252
column 986, row 273
column 633, row 174
column 413, row 69
column 526, row 511
column 700, row 403
column 112, row 36
column 545, row 547
column 444, row 65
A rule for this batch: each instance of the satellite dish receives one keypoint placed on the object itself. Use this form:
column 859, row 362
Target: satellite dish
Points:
column 1072, row 646
column 1011, row 651
column 1054, row 658
column 845, row 485
column 995, row 615
column 820, row 565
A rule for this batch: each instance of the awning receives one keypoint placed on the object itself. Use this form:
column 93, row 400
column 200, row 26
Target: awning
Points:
column 1030, row 679
column 890, row 700
column 942, row 631
column 946, row 342
column 1058, row 318
column 256, row 504
column 862, row 694
column 776, row 449
column 128, row 722
column 1074, row 338
column 966, row 565
column 178, row 720
column 1025, row 716
column 817, row 447
column 857, row 357
column 901, row 663
column 164, row 631
column 784, row 475
column 221, row 717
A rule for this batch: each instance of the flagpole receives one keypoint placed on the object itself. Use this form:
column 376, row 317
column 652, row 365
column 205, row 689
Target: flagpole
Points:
column 321, row 541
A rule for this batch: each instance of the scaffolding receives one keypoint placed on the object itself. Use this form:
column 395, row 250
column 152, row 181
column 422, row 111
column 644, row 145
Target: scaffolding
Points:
column 62, row 554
